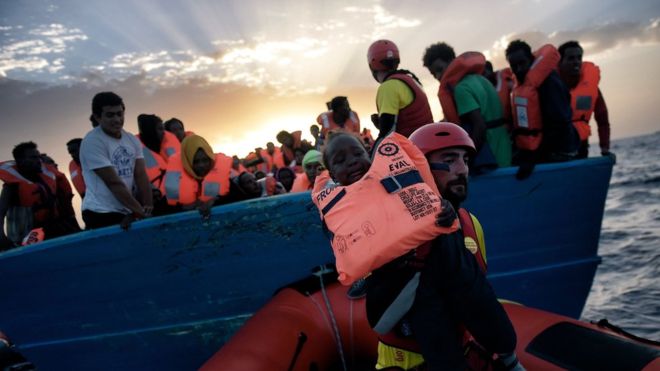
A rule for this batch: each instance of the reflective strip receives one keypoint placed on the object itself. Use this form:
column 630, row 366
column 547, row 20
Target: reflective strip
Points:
column 211, row 189
column 326, row 121
column 500, row 81
column 47, row 172
column 169, row 151
column 583, row 102
column 399, row 307
column 172, row 183
column 536, row 61
column 520, row 101
column 353, row 117
column 149, row 159
column 74, row 174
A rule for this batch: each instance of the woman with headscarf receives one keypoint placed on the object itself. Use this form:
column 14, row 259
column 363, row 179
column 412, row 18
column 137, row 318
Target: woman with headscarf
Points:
column 197, row 177
column 312, row 165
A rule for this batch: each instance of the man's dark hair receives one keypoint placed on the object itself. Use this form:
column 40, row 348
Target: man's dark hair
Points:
column 518, row 44
column 21, row 148
column 168, row 124
column 74, row 141
column 282, row 135
column 336, row 102
column 106, row 98
column 438, row 50
column 567, row 45
column 489, row 66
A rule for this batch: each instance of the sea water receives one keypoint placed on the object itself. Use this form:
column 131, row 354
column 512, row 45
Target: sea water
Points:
column 626, row 289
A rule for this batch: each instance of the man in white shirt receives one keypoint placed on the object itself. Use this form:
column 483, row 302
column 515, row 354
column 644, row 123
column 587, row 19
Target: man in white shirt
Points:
column 113, row 166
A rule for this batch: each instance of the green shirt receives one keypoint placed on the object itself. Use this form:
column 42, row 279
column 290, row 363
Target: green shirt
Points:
column 475, row 92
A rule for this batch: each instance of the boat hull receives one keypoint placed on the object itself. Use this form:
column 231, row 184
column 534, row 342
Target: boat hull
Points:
column 171, row 290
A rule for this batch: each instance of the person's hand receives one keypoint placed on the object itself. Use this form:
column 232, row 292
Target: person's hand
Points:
column 204, row 209
column 525, row 170
column 447, row 215
column 125, row 223
column 610, row 155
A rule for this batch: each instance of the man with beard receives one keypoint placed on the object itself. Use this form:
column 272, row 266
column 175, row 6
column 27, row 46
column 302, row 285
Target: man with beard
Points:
column 453, row 292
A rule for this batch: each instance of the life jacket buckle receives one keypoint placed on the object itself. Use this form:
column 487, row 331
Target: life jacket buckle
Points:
column 398, row 185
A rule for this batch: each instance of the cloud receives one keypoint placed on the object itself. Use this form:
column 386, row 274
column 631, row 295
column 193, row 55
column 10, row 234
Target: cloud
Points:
column 595, row 40
column 40, row 50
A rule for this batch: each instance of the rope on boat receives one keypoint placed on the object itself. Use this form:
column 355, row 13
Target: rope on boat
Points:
column 335, row 328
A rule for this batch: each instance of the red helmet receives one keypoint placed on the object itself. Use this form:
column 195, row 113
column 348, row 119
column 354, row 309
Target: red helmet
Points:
column 441, row 135
column 380, row 51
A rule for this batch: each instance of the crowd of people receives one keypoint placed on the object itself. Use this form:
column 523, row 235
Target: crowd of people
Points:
column 537, row 110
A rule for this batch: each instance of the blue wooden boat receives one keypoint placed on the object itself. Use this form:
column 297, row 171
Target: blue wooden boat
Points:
column 170, row 291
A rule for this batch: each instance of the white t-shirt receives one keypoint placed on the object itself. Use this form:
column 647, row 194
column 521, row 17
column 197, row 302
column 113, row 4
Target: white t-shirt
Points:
column 99, row 150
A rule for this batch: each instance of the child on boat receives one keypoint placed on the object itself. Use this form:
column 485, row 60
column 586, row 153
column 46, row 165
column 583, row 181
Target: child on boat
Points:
column 440, row 280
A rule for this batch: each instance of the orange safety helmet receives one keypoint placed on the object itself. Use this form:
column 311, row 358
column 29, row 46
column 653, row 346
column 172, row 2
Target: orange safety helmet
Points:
column 441, row 135
column 382, row 50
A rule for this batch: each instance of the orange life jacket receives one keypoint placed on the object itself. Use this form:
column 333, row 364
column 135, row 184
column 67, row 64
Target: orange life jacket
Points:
column 267, row 165
column 503, row 87
column 288, row 153
column 75, row 171
column 41, row 201
column 327, row 122
column 416, row 114
column 156, row 163
column 278, row 158
column 402, row 205
column 301, row 183
column 583, row 98
column 465, row 64
column 472, row 240
column 526, row 109
column 367, row 138
column 182, row 189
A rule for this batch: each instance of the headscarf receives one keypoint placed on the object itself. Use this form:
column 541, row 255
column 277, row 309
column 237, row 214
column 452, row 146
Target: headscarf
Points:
column 189, row 147
column 312, row 156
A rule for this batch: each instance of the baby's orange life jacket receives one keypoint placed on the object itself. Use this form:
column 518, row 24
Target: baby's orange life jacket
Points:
column 382, row 216
column 526, row 109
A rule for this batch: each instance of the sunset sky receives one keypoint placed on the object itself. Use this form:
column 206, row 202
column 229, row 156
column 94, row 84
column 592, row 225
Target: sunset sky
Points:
column 237, row 72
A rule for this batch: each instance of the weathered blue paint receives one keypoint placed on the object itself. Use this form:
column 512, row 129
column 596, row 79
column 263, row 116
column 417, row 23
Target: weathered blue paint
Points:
column 170, row 291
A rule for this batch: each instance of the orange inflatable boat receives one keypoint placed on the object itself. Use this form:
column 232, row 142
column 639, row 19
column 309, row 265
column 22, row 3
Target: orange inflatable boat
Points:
column 312, row 325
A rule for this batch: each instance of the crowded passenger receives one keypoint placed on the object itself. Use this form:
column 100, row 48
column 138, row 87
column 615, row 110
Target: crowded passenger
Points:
column 542, row 122
column 503, row 82
column 113, row 164
column 35, row 197
column 469, row 99
column 582, row 78
column 196, row 178
column 175, row 126
column 401, row 101
column 75, row 171
column 339, row 117
column 286, row 176
column 312, row 165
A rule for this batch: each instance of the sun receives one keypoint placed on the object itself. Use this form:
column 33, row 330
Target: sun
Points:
column 241, row 145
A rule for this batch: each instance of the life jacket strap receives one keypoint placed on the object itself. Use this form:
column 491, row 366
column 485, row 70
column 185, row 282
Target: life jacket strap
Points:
column 333, row 202
column 395, row 183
